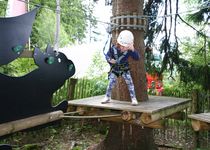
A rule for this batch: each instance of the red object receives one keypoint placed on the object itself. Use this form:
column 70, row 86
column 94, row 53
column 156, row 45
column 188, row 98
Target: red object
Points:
column 154, row 81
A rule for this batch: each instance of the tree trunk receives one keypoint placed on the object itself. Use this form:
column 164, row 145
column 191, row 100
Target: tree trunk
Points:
column 130, row 7
column 125, row 136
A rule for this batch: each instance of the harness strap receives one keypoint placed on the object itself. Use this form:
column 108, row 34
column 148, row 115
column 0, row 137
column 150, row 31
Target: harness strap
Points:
column 118, row 69
column 116, row 56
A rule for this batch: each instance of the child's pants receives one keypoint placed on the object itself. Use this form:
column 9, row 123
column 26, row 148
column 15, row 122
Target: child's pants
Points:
column 127, row 77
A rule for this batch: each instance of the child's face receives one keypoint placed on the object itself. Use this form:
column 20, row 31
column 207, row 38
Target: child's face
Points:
column 123, row 48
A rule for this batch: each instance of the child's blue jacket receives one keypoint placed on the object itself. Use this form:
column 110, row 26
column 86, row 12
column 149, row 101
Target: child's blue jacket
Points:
column 121, row 57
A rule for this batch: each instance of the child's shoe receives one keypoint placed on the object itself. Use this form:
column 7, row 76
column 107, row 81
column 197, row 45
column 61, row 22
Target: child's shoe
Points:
column 134, row 102
column 105, row 100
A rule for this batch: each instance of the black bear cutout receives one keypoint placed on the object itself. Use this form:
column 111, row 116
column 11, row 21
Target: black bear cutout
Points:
column 5, row 147
column 14, row 34
column 32, row 93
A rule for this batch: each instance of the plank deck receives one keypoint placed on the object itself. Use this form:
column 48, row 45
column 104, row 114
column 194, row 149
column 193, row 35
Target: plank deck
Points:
column 204, row 117
column 155, row 104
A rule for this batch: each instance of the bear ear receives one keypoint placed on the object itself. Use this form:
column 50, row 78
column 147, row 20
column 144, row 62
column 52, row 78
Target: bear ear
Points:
column 49, row 50
column 38, row 55
column 48, row 57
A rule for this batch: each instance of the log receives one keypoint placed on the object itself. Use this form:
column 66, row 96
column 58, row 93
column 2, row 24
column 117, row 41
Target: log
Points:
column 147, row 118
column 200, row 121
column 82, row 110
column 127, row 115
column 154, row 125
column 200, row 125
column 18, row 125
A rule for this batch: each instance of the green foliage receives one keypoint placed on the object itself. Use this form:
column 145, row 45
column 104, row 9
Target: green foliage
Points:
column 177, row 90
column 44, row 30
column 98, row 67
column 18, row 67
column 74, row 18
column 90, row 87
column 196, row 68
column 151, row 9
column 3, row 7
column 193, row 67
column 152, row 61
column 84, row 88
column 61, row 94
column 200, row 16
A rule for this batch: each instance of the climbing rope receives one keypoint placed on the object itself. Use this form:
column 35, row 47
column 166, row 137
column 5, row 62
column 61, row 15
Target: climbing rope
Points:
column 92, row 117
column 74, row 112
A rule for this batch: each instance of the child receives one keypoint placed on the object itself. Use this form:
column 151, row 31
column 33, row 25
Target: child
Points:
column 117, row 57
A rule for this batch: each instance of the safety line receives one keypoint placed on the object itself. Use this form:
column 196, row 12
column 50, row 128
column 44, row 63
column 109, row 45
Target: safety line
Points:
column 91, row 117
column 146, row 16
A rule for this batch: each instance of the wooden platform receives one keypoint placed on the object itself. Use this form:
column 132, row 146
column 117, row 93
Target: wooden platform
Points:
column 156, row 108
column 200, row 121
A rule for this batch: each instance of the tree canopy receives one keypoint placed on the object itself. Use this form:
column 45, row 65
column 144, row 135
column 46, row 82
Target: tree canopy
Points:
column 75, row 17
column 171, row 46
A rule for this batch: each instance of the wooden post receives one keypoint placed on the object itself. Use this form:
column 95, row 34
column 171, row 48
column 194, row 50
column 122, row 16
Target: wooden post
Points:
column 195, row 110
column 18, row 125
column 71, row 90
column 195, row 101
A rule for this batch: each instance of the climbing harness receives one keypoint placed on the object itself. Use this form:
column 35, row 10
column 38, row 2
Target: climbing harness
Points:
column 118, row 69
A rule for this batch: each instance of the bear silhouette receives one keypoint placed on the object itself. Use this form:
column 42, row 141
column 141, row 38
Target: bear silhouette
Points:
column 32, row 93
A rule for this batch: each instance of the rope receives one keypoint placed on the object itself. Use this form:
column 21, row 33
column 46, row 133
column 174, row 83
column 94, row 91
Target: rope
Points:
column 91, row 117
column 109, row 41
column 146, row 16
column 74, row 112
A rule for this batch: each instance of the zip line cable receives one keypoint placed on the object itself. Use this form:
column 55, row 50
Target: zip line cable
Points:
column 146, row 16
column 117, row 25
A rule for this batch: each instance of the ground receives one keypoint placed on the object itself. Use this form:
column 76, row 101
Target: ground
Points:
column 72, row 134
column 65, row 135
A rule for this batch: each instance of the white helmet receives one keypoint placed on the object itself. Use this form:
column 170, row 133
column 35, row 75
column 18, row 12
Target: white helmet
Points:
column 125, row 38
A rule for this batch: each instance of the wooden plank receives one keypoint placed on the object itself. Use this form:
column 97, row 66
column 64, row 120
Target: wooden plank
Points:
column 153, row 105
column 18, row 125
column 156, row 108
column 163, row 113
column 205, row 117
column 200, row 121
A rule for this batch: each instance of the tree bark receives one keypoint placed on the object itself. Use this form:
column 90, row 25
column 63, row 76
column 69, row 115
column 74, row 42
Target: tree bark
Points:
column 125, row 136
column 129, row 7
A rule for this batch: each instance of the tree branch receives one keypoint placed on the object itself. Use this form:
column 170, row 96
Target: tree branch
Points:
column 192, row 27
